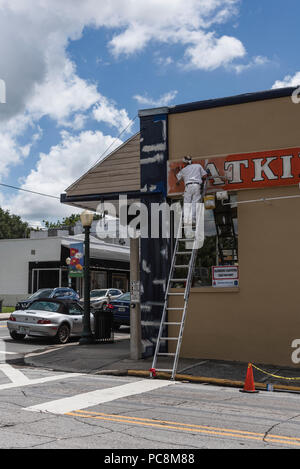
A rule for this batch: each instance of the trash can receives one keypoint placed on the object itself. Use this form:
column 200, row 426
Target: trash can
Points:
column 1, row 303
column 103, row 325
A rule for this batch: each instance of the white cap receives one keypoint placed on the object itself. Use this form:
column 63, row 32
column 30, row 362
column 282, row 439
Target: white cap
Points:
column 187, row 159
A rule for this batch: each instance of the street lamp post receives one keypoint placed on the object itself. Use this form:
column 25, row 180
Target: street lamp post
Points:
column 86, row 220
column 68, row 262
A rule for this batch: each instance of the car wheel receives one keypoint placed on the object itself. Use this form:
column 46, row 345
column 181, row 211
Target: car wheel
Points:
column 63, row 334
column 14, row 335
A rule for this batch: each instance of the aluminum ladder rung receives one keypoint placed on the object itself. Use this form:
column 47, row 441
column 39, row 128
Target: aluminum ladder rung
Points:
column 183, row 252
column 163, row 369
column 169, row 338
column 165, row 354
column 178, row 280
column 181, row 266
column 177, row 309
column 186, row 239
column 172, row 323
column 176, row 294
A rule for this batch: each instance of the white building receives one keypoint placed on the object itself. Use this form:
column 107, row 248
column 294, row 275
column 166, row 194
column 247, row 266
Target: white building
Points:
column 40, row 262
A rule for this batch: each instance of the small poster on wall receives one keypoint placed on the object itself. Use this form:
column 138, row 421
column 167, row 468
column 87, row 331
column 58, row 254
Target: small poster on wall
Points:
column 225, row 276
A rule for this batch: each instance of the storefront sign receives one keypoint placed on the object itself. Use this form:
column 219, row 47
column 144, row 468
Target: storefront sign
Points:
column 244, row 171
column 76, row 260
column 225, row 276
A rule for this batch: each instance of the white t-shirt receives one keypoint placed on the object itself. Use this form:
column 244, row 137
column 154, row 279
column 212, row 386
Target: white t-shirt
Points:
column 191, row 173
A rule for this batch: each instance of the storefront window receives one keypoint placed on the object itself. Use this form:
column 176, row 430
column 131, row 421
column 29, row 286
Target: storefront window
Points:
column 120, row 281
column 220, row 248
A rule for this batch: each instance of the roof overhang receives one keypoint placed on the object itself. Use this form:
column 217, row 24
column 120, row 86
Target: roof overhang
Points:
column 93, row 202
column 118, row 173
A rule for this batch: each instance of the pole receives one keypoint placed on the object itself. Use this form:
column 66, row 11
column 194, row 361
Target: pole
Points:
column 135, row 309
column 86, row 337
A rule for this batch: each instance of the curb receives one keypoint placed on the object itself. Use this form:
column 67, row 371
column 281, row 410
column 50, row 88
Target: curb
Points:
column 214, row 381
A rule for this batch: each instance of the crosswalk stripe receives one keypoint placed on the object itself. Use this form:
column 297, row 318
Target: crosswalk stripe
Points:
column 82, row 401
column 32, row 382
column 15, row 375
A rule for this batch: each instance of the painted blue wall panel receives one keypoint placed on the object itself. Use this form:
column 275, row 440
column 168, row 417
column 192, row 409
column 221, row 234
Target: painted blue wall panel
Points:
column 155, row 253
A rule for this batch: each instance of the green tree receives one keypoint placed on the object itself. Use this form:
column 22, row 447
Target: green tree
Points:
column 67, row 221
column 12, row 226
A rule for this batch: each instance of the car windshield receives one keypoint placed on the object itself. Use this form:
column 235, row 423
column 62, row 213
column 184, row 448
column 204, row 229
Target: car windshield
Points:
column 41, row 294
column 51, row 306
column 95, row 293
column 125, row 297
column 63, row 293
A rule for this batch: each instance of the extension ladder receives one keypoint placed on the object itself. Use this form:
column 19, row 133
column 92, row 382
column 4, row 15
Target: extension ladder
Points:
column 183, row 250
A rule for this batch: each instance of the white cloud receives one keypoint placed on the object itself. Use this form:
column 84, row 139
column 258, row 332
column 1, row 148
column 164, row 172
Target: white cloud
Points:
column 34, row 36
column 257, row 61
column 163, row 61
column 288, row 80
column 11, row 153
column 208, row 52
column 171, row 21
column 185, row 23
column 55, row 171
column 42, row 80
column 106, row 111
column 62, row 93
column 164, row 100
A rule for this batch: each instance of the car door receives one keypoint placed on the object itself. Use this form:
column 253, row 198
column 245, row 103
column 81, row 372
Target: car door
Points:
column 76, row 316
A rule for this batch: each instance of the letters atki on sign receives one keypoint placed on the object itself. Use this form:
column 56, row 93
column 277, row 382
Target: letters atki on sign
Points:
column 245, row 170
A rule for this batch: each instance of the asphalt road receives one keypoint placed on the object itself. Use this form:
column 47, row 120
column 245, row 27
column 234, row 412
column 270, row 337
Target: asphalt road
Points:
column 52, row 410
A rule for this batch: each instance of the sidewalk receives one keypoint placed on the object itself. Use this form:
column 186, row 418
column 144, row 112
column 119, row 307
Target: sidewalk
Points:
column 114, row 358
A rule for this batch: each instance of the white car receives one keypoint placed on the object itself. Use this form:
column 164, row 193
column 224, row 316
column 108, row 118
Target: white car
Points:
column 47, row 317
column 101, row 297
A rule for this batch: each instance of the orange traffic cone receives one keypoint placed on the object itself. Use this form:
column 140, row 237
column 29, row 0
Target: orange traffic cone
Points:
column 249, row 381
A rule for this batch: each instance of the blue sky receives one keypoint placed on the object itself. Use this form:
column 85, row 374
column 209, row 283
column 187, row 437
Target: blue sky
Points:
column 76, row 73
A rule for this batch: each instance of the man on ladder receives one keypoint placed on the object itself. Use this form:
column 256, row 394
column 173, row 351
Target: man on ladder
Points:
column 193, row 176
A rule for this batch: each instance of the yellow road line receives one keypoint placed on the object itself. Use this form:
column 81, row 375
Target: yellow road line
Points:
column 187, row 427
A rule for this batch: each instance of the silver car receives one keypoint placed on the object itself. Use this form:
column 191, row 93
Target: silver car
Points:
column 46, row 317
column 103, row 296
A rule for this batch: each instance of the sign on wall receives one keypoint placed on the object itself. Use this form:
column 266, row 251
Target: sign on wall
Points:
column 225, row 276
column 134, row 291
column 245, row 170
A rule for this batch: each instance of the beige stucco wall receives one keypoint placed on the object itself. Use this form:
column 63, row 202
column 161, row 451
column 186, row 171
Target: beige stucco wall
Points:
column 241, row 128
column 258, row 321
